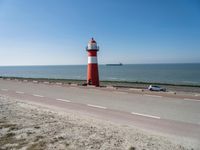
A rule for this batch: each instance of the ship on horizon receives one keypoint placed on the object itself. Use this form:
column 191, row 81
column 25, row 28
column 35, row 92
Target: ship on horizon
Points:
column 119, row 64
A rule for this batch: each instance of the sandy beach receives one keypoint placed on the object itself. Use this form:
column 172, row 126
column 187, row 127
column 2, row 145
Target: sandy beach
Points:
column 29, row 126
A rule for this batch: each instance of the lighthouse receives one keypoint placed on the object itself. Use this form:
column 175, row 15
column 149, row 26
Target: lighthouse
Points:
column 92, row 69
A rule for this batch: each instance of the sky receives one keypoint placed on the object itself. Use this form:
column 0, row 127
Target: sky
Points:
column 50, row 32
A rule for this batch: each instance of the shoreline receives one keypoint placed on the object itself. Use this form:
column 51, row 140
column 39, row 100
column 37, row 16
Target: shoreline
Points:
column 115, row 84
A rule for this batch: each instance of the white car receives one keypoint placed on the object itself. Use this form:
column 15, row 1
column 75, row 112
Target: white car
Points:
column 156, row 88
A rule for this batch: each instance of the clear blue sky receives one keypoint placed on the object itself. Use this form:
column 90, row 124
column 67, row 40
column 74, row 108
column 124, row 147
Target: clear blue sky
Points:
column 53, row 32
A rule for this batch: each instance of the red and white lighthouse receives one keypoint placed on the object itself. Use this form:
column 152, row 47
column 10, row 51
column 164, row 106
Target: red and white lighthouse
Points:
column 92, row 70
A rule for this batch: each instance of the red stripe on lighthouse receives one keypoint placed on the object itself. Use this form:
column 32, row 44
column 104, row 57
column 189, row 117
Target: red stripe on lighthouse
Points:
column 93, row 74
column 92, row 53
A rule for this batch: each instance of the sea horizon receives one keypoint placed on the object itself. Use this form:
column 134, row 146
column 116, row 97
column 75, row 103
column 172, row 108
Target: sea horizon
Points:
column 100, row 64
column 179, row 73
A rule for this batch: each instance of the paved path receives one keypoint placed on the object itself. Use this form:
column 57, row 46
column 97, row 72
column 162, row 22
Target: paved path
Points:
column 169, row 115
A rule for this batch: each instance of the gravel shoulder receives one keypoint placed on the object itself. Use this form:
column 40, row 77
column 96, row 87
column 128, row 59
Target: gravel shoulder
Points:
column 29, row 127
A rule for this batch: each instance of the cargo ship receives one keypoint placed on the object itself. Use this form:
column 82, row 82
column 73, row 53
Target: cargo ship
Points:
column 120, row 64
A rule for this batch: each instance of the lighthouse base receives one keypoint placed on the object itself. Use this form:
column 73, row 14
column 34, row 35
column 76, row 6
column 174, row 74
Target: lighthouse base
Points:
column 93, row 75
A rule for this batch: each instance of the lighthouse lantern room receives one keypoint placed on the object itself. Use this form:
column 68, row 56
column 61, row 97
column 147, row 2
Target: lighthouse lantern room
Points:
column 92, row 69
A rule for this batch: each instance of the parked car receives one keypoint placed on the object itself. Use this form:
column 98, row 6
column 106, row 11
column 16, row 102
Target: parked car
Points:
column 156, row 88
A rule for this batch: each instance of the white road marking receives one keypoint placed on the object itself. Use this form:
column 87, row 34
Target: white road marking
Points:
column 197, row 95
column 63, row 100
column 58, row 83
column 189, row 99
column 91, row 86
column 37, row 95
column 145, row 115
column 153, row 95
column 96, row 106
column 46, row 82
column 4, row 89
column 18, row 92
column 35, row 81
column 73, row 84
column 133, row 89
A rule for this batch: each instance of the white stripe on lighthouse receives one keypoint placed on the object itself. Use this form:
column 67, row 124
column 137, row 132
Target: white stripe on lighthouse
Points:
column 92, row 60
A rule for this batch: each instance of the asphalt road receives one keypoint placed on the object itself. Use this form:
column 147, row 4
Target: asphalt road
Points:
column 176, row 116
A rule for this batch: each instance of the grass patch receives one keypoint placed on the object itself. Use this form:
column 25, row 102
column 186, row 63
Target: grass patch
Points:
column 132, row 148
column 37, row 138
column 5, row 125
column 12, row 127
column 103, row 82
column 2, row 121
column 10, row 135
column 60, row 138
column 37, row 146
column 67, row 144
column 37, row 127
column 29, row 133
column 9, row 138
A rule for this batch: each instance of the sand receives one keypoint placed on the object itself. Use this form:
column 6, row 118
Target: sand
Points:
column 32, row 127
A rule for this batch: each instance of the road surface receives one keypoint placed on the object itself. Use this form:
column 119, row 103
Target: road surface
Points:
column 174, row 116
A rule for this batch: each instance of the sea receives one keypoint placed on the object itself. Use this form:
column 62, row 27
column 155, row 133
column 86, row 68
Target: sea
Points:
column 187, row 74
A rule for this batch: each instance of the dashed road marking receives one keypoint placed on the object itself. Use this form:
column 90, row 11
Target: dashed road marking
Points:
column 58, row 83
column 35, row 81
column 96, row 106
column 63, row 100
column 46, row 82
column 19, row 92
column 37, row 95
column 4, row 89
column 133, row 89
column 189, row 99
column 197, row 95
column 73, row 84
column 145, row 115
column 158, row 96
